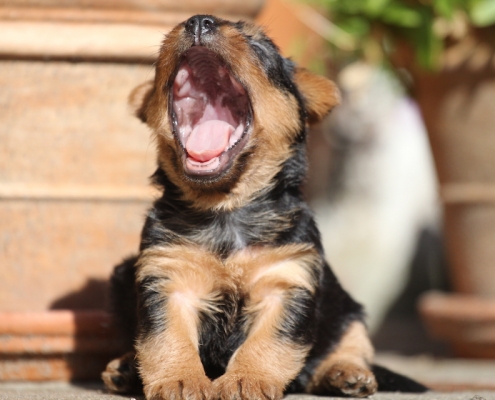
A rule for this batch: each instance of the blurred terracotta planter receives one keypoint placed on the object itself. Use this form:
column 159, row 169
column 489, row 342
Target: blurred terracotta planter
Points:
column 125, row 30
column 55, row 345
column 74, row 168
column 74, row 164
column 467, row 322
column 457, row 106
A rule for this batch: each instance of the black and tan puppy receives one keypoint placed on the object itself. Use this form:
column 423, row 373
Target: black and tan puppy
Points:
column 231, row 296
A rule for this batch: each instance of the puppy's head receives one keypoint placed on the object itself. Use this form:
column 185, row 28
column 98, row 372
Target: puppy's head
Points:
column 226, row 109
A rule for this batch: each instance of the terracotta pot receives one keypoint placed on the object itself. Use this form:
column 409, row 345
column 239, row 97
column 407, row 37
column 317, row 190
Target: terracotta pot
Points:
column 457, row 106
column 74, row 162
column 55, row 345
column 74, row 167
column 106, row 30
column 467, row 322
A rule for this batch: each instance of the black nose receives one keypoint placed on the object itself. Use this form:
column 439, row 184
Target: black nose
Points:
column 201, row 25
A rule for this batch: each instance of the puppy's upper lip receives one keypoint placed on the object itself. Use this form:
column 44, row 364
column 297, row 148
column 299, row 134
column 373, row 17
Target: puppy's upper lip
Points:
column 210, row 112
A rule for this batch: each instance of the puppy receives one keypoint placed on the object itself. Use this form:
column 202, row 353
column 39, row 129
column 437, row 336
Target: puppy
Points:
column 230, row 296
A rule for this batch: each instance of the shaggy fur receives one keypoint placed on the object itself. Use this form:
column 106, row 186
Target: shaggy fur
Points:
column 230, row 296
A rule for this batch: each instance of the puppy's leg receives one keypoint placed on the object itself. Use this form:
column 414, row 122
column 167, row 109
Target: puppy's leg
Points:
column 346, row 370
column 175, row 283
column 279, row 305
column 121, row 375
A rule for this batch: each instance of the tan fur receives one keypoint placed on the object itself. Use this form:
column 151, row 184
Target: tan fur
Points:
column 124, row 368
column 200, row 277
column 264, row 363
column 260, row 368
column 272, row 127
column 268, row 266
column 193, row 280
column 189, row 269
column 139, row 98
column 347, row 367
column 170, row 366
column 169, row 361
column 320, row 94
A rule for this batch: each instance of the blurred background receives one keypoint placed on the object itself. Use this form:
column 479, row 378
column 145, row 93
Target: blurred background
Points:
column 402, row 174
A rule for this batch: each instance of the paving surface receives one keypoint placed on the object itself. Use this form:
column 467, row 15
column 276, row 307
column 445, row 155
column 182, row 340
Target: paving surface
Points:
column 463, row 379
column 64, row 391
column 443, row 373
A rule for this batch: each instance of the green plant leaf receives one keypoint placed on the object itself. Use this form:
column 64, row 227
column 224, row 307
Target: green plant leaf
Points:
column 375, row 7
column 355, row 26
column 402, row 16
column 445, row 8
column 351, row 6
column 482, row 12
column 390, row 22
column 429, row 46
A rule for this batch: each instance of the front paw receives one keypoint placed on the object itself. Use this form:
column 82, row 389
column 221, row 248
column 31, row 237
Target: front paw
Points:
column 197, row 388
column 245, row 387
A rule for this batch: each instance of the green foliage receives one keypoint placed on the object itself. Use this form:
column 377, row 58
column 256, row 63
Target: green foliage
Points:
column 482, row 12
column 425, row 24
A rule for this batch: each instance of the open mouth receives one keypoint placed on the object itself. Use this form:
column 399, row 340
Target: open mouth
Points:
column 210, row 113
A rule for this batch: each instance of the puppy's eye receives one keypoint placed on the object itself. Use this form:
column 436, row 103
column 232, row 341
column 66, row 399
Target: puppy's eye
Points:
column 259, row 49
column 266, row 55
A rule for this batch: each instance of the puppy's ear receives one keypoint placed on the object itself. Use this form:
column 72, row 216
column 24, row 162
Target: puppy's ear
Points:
column 139, row 99
column 320, row 94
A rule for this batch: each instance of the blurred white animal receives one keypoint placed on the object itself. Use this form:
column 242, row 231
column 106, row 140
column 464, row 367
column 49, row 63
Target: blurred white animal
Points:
column 384, row 192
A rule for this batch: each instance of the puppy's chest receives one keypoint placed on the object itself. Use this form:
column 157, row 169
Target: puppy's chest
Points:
column 264, row 223
column 224, row 233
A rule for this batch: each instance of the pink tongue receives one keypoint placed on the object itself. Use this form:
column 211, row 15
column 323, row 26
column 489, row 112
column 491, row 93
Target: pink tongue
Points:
column 208, row 140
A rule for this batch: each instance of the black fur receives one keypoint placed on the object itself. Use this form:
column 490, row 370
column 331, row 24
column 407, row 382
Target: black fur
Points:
column 390, row 381
column 275, row 217
column 124, row 300
column 171, row 220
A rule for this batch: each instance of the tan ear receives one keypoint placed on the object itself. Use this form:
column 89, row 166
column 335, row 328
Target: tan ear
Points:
column 139, row 99
column 320, row 94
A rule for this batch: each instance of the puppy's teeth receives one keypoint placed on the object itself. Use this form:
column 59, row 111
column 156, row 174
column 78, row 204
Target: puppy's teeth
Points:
column 185, row 132
column 182, row 76
column 184, row 89
column 237, row 86
column 236, row 135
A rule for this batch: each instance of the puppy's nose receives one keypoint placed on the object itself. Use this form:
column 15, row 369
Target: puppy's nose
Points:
column 200, row 25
